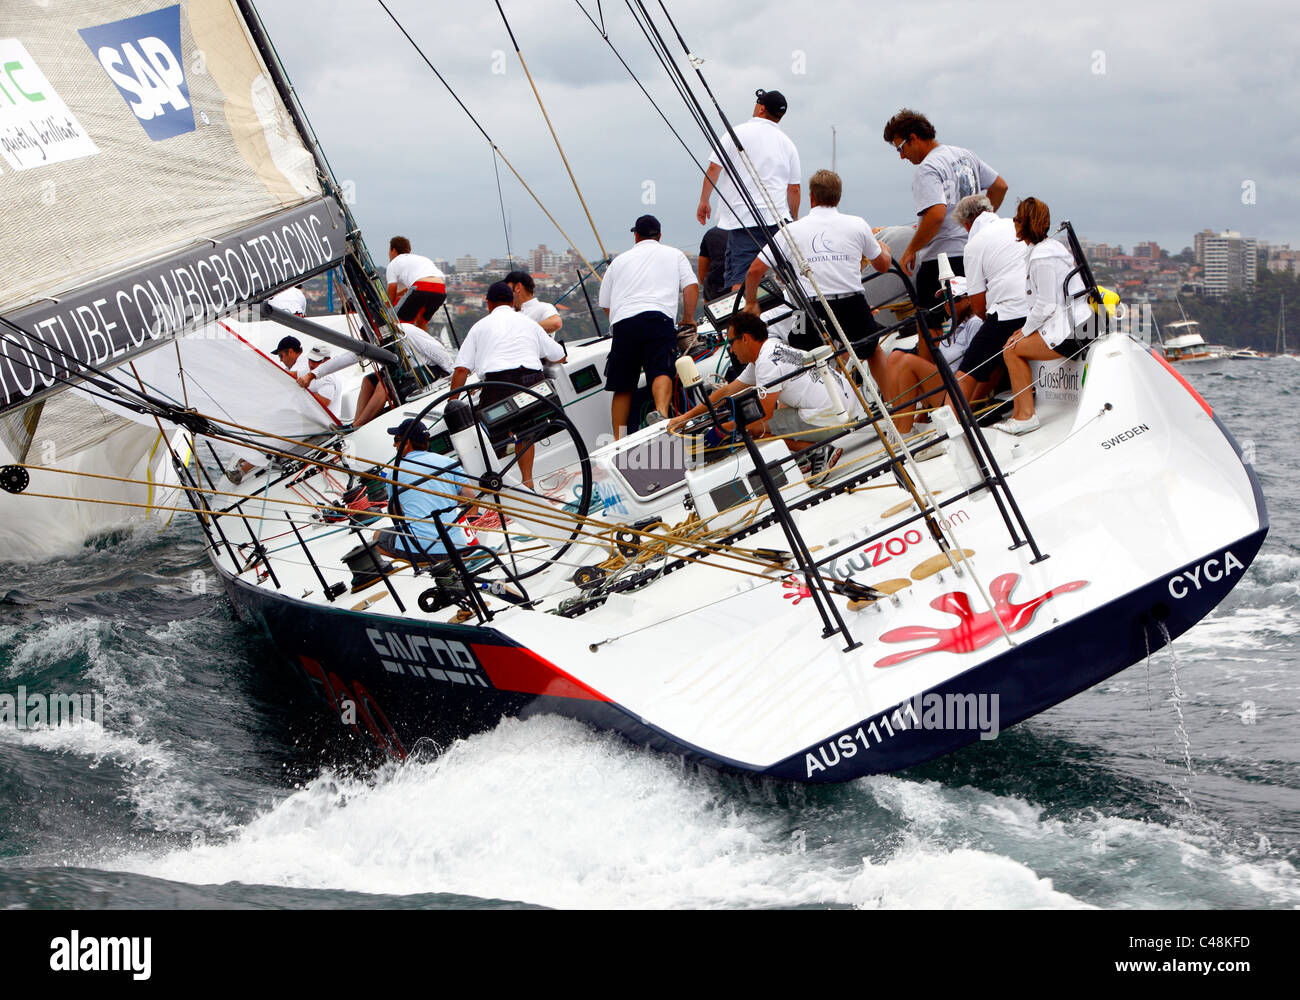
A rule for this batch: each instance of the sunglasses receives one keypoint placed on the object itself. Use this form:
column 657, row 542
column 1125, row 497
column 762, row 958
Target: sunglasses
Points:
column 898, row 148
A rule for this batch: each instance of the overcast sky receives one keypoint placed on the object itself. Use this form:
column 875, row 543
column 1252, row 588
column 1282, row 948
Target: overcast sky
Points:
column 1137, row 120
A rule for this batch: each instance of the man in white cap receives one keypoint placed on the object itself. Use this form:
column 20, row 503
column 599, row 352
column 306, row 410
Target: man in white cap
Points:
column 639, row 295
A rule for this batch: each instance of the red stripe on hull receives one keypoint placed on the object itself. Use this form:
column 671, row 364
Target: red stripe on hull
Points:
column 512, row 668
column 1185, row 384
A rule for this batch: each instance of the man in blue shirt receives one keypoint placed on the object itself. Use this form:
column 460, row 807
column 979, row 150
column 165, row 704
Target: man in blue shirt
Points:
column 417, row 466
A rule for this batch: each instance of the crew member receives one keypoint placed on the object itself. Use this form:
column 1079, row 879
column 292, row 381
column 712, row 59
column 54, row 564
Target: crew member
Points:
column 912, row 376
column 433, row 474
column 639, row 295
column 415, row 285
column 289, row 351
column 291, row 300
column 806, row 415
column 837, row 247
column 944, row 175
column 505, row 346
column 996, row 263
column 328, row 389
column 542, row 313
column 776, row 162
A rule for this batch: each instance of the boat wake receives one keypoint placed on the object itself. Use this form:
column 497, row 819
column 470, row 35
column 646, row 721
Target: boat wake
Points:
column 547, row 812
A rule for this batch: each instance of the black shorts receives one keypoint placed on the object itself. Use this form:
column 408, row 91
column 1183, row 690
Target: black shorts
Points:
column 647, row 341
column 927, row 288
column 524, row 377
column 854, row 315
column 983, row 358
column 419, row 303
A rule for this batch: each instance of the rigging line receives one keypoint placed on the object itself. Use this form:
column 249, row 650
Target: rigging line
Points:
column 678, row 79
column 577, row 190
column 501, row 200
column 504, row 159
column 654, row 104
column 542, row 509
column 889, row 437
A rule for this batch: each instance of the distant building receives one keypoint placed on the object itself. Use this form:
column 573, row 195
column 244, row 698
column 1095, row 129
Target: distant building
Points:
column 1147, row 250
column 466, row 264
column 1198, row 243
column 1230, row 261
column 1284, row 260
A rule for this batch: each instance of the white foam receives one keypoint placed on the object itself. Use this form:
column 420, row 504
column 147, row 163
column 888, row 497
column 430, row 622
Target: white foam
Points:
column 548, row 812
column 88, row 739
column 544, row 811
column 960, row 879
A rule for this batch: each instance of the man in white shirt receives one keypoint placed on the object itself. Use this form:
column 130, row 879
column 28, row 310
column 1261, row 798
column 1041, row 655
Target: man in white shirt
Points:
column 416, row 287
column 944, row 175
column 837, row 247
column 639, row 295
column 542, row 313
column 505, row 346
column 291, row 300
column 289, row 351
column 776, row 162
column 328, row 389
column 807, row 411
column 996, row 264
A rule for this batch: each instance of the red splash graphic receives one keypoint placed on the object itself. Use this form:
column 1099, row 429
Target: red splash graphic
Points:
column 977, row 628
column 796, row 590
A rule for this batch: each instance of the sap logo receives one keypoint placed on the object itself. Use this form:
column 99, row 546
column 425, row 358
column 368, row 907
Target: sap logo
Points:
column 142, row 56
column 1210, row 571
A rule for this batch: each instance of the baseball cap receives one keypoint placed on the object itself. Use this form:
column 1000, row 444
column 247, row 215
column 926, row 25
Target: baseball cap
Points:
column 412, row 430
column 318, row 354
column 647, row 225
column 287, row 344
column 499, row 291
column 773, row 100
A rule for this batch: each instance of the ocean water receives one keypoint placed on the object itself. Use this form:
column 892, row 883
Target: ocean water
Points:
column 1175, row 784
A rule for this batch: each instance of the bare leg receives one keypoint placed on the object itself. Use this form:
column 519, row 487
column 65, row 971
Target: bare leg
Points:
column 662, row 391
column 878, row 365
column 620, row 409
column 1021, row 350
column 526, row 466
column 913, row 376
column 373, row 406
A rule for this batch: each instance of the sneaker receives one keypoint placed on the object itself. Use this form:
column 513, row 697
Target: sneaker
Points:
column 1013, row 426
column 820, row 463
column 235, row 474
column 654, row 417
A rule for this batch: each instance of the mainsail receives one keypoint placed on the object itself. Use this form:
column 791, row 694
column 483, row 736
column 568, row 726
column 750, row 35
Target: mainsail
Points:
column 154, row 180
column 152, row 177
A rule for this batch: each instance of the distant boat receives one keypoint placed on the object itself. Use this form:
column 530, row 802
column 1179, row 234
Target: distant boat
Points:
column 1185, row 345
column 1246, row 354
column 1280, row 346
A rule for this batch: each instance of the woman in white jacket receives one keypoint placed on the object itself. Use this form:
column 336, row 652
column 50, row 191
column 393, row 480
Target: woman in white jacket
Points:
column 1048, row 333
